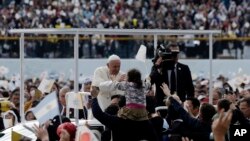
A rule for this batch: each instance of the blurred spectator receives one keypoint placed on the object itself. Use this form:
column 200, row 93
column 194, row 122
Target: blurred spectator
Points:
column 230, row 16
column 36, row 96
column 29, row 115
column 66, row 131
column 86, row 86
column 245, row 107
column 15, row 98
column 63, row 106
column 217, row 95
column 192, row 105
column 11, row 118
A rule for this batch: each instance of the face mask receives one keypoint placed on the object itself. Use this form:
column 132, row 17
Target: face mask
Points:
column 7, row 123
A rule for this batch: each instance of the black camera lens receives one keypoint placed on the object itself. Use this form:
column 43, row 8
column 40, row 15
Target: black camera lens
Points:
column 164, row 52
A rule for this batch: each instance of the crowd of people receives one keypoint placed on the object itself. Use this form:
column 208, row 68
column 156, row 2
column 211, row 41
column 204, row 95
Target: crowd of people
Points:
column 230, row 16
column 126, row 104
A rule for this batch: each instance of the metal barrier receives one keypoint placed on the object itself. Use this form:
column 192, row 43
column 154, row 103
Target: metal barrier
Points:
column 150, row 38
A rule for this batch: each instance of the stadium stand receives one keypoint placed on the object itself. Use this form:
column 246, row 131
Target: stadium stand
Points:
column 231, row 16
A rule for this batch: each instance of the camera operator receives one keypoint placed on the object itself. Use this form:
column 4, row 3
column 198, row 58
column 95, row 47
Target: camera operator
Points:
column 176, row 75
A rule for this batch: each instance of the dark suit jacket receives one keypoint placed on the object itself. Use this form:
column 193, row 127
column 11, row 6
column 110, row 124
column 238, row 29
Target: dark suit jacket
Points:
column 185, row 87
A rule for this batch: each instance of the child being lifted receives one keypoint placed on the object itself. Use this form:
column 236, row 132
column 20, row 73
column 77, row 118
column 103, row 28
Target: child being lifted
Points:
column 135, row 91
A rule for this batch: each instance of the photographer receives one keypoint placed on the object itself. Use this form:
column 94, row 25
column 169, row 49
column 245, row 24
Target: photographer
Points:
column 176, row 75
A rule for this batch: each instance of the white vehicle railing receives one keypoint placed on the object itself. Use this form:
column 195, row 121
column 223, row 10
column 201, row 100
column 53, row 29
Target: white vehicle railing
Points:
column 91, row 31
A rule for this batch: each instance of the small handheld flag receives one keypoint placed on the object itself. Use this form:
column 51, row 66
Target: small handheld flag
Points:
column 47, row 109
column 18, row 137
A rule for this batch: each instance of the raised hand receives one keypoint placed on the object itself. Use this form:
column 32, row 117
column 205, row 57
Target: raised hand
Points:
column 221, row 125
column 41, row 133
column 165, row 89
column 122, row 78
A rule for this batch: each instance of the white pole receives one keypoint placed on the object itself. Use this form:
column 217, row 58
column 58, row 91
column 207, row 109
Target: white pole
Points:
column 21, row 41
column 76, row 89
column 210, row 68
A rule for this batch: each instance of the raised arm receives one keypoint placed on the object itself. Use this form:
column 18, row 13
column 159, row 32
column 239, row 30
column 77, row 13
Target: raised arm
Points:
column 112, row 85
column 104, row 118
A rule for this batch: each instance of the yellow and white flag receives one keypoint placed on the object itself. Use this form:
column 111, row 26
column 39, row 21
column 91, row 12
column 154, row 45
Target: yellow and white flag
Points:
column 18, row 137
column 77, row 100
column 46, row 85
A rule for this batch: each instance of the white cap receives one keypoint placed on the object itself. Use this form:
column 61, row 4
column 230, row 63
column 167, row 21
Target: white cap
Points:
column 113, row 57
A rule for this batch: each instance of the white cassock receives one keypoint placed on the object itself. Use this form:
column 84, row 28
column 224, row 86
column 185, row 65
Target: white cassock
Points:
column 101, row 74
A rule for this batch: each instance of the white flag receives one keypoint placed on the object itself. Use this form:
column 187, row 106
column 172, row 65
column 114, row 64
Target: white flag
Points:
column 74, row 100
column 46, row 85
column 85, row 97
column 141, row 54
column 47, row 109
column 4, row 84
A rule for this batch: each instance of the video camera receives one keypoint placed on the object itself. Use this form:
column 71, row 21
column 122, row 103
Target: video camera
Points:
column 163, row 52
column 167, row 54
